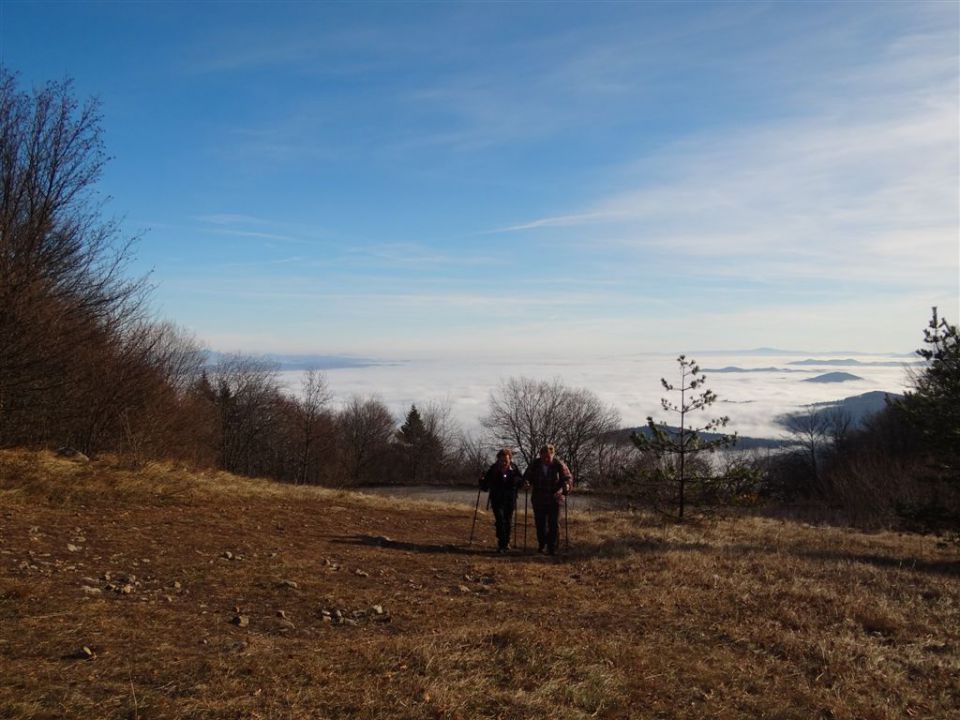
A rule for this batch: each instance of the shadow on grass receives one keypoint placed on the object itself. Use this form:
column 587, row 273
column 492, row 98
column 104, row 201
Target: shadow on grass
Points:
column 586, row 551
column 426, row 548
column 935, row 567
column 885, row 562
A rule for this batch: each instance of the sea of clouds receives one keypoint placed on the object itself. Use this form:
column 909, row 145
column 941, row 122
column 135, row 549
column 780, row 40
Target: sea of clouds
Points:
column 753, row 400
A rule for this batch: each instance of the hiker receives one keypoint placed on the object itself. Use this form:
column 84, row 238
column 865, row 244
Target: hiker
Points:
column 551, row 480
column 501, row 481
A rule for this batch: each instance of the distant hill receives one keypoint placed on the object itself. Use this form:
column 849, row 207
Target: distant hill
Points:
column 849, row 362
column 834, row 377
column 859, row 408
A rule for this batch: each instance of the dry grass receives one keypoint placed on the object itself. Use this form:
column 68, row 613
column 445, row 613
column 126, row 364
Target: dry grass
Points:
column 727, row 619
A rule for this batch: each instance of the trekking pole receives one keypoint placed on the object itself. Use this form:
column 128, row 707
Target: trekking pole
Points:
column 515, row 519
column 475, row 511
column 566, row 523
column 524, row 519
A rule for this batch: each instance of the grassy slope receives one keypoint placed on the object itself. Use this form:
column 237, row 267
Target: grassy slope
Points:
column 747, row 618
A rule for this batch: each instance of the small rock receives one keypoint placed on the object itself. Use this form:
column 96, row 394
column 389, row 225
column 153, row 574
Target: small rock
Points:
column 326, row 619
column 287, row 626
column 85, row 653
column 377, row 609
column 338, row 614
column 72, row 548
column 289, row 584
column 361, row 573
column 177, row 585
column 69, row 452
column 282, row 614
column 227, row 555
column 168, row 598
column 92, row 591
column 463, row 589
column 349, row 621
column 126, row 589
column 241, row 620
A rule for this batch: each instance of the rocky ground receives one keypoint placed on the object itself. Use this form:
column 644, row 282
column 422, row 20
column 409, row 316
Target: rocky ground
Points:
column 155, row 592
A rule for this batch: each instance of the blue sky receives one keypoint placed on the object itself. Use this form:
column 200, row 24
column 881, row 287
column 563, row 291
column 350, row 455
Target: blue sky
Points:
column 446, row 179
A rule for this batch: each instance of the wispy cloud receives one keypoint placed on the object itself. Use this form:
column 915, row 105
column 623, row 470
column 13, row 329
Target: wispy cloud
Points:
column 861, row 187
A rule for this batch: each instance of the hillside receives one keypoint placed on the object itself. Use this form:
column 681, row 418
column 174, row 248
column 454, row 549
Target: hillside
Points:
column 156, row 593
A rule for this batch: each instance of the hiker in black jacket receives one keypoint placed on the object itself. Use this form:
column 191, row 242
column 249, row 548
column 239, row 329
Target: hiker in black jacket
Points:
column 502, row 480
column 551, row 480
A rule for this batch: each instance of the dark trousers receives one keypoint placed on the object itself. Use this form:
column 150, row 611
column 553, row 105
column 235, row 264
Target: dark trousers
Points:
column 503, row 515
column 546, row 516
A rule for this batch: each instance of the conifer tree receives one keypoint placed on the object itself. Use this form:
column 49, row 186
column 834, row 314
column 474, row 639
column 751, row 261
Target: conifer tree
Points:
column 683, row 442
column 933, row 405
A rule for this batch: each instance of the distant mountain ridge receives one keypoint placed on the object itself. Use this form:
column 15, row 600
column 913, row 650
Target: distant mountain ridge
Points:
column 849, row 362
column 859, row 408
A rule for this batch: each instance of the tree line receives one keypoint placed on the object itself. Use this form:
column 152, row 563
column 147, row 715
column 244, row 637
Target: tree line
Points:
column 84, row 364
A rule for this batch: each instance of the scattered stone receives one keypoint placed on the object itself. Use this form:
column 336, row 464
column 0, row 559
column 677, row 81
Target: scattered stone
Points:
column 349, row 621
column 361, row 573
column 126, row 589
column 92, row 591
column 377, row 609
column 326, row 619
column 85, row 653
column 289, row 584
column 227, row 555
column 338, row 614
column 282, row 614
column 287, row 626
column 241, row 621
column 69, row 452
column 177, row 585
column 463, row 589
column 73, row 548
column 168, row 598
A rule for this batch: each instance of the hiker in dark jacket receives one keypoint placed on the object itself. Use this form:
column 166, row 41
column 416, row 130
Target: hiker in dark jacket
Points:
column 502, row 480
column 551, row 480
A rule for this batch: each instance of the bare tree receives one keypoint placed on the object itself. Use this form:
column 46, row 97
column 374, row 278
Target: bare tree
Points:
column 62, row 283
column 810, row 436
column 586, row 436
column 247, row 397
column 313, row 425
column 365, row 427
column 527, row 414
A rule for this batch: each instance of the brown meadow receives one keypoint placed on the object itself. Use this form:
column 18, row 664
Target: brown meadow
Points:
column 157, row 592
